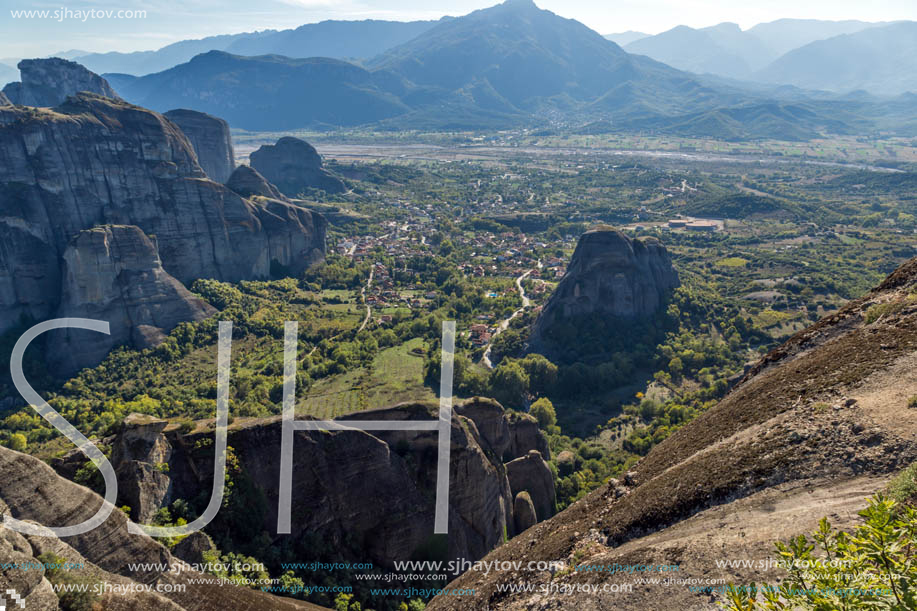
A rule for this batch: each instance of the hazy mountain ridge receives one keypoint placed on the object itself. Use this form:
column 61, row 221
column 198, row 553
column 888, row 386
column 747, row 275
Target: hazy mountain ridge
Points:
column 335, row 39
column 881, row 60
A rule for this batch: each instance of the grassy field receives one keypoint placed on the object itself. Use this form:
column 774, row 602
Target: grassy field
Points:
column 396, row 376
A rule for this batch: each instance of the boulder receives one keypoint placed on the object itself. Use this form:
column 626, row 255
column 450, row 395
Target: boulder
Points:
column 192, row 548
column 612, row 275
column 295, row 167
column 48, row 82
column 113, row 273
column 532, row 474
column 524, row 515
column 247, row 182
column 211, row 140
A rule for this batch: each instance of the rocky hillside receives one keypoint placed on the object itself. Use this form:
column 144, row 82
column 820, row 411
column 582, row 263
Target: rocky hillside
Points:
column 48, row 82
column 96, row 161
column 31, row 491
column 295, row 167
column 610, row 274
column 817, row 425
column 342, row 478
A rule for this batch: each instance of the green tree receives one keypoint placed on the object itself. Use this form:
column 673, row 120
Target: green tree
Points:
column 18, row 442
column 543, row 410
column 509, row 383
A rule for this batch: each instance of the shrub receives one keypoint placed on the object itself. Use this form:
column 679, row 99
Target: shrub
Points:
column 871, row 568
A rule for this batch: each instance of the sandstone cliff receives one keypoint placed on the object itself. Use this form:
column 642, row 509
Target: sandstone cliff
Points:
column 95, row 161
column 113, row 273
column 294, row 166
column 48, row 82
column 612, row 275
column 210, row 138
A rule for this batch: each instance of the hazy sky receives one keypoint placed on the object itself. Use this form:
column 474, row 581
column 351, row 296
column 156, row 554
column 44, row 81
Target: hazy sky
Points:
column 171, row 20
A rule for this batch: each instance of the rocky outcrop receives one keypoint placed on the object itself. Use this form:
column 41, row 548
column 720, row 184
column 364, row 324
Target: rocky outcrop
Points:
column 247, row 182
column 376, row 489
column 31, row 491
column 532, row 474
column 48, row 82
column 192, row 548
column 509, row 434
column 612, row 275
column 113, row 273
column 4, row 101
column 210, row 138
column 524, row 514
column 295, row 167
column 95, row 161
column 138, row 458
column 30, row 585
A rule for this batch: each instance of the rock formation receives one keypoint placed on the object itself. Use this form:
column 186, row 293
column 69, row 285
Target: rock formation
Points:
column 376, row 488
column 113, row 273
column 210, row 138
column 95, row 161
column 247, row 182
column 295, row 167
column 532, row 474
column 31, row 491
column 524, row 514
column 613, row 275
column 4, row 101
column 48, row 82
column 510, row 434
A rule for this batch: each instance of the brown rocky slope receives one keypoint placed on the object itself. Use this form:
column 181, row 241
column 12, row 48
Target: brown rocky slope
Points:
column 817, row 425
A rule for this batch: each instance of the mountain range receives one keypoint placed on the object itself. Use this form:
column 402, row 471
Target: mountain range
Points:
column 839, row 56
column 881, row 60
column 335, row 39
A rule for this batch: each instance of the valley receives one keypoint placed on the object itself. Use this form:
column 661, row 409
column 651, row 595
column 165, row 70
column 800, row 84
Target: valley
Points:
column 681, row 273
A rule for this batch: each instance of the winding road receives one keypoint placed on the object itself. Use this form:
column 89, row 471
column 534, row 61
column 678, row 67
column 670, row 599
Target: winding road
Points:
column 504, row 325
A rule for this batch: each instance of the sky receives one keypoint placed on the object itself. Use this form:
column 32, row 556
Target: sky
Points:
column 168, row 21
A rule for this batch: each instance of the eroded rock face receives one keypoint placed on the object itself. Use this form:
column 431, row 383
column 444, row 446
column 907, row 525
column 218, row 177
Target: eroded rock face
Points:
column 610, row 274
column 4, row 101
column 510, row 434
column 31, row 491
column 48, row 82
column 95, row 161
column 137, row 458
column 247, row 182
column 210, row 138
column 113, row 273
column 375, row 488
column 533, row 475
column 524, row 513
column 294, row 166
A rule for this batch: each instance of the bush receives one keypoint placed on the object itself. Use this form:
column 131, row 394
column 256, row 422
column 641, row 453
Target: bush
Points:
column 872, row 568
